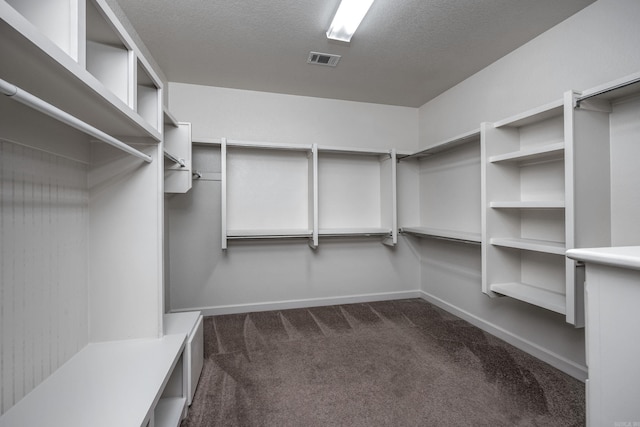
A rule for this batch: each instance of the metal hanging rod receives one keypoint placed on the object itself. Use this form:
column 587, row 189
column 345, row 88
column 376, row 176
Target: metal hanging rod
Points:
column 607, row 90
column 44, row 107
column 180, row 162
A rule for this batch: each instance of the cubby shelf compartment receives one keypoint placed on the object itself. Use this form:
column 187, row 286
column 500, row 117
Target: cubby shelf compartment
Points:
column 533, row 295
column 357, row 193
column 268, row 191
column 461, row 236
column 530, row 245
column 60, row 72
column 449, row 182
column 168, row 412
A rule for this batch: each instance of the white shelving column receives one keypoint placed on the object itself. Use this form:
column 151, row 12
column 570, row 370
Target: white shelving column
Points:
column 524, row 200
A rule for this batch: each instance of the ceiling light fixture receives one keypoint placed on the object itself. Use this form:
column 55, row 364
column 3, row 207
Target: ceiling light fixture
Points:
column 349, row 15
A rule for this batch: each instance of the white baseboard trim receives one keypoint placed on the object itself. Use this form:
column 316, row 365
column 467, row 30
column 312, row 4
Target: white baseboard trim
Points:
column 301, row 303
column 565, row 365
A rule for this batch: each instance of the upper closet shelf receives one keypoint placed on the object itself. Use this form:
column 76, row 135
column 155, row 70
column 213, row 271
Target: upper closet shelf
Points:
column 460, row 236
column 354, row 232
column 60, row 72
column 543, row 246
column 547, row 111
column 448, row 144
column 268, row 234
column 621, row 88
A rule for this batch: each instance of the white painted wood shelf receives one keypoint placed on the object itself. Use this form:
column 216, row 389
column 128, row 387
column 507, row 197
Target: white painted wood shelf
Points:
column 535, row 295
column 354, row 232
column 268, row 234
column 107, row 384
column 528, row 204
column 553, row 151
column 461, row 236
column 178, row 170
column 530, row 245
column 168, row 412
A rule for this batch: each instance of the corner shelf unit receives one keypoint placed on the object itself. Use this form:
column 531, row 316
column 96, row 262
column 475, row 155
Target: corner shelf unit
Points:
column 288, row 191
column 78, row 50
column 177, row 154
column 449, row 174
column 539, row 187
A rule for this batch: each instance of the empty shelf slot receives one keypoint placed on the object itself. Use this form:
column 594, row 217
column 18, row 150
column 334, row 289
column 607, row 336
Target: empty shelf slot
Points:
column 533, row 295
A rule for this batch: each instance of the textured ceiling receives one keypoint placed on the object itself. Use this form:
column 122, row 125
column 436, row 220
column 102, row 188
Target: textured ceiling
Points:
column 406, row 52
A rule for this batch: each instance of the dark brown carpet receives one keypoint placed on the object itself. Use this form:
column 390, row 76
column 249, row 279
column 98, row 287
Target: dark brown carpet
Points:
column 396, row 363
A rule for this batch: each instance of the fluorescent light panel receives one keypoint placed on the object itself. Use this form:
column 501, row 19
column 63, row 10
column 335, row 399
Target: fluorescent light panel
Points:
column 348, row 17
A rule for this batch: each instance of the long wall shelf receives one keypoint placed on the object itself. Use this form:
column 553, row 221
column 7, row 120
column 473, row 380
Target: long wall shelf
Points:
column 461, row 236
column 535, row 295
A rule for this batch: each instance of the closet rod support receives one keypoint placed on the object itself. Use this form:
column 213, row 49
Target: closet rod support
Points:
column 44, row 107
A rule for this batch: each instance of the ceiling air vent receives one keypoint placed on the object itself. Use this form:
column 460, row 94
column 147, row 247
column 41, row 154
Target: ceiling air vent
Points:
column 323, row 59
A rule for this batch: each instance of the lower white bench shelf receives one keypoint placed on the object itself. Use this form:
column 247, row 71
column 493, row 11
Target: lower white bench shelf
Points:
column 119, row 383
column 189, row 323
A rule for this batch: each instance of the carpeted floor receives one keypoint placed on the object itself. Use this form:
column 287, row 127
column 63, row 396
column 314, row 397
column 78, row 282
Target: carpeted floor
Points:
column 395, row 363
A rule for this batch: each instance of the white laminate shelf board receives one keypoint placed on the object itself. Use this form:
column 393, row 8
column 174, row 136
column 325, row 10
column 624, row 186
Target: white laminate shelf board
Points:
column 107, row 384
column 437, row 233
column 530, row 204
column 547, row 111
column 620, row 256
column 169, row 118
column 268, row 145
column 268, row 234
column 353, row 150
column 340, row 232
column 533, row 295
column 619, row 88
column 451, row 143
column 544, row 152
column 530, row 245
column 168, row 412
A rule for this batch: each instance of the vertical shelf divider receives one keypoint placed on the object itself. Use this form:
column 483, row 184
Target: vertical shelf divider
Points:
column 223, row 190
column 313, row 195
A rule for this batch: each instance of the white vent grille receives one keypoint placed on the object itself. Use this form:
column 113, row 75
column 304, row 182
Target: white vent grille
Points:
column 323, row 59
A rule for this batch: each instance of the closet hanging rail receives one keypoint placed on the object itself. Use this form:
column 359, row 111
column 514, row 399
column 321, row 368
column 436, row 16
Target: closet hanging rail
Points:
column 38, row 104
column 607, row 90
column 179, row 162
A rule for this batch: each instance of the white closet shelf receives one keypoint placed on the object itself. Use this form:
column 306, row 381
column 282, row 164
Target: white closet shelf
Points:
column 353, row 150
column 267, row 145
column 169, row 119
column 530, row 245
column 57, row 78
column 269, row 234
column 533, row 295
column 110, row 373
column 465, row 138
column 438, row 233
column 547, row 111
column 529, row 204
column 538, row 153
column 345, row 232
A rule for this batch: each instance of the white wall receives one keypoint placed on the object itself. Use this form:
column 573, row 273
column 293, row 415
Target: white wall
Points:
column 43, row 266
column 596, row 45
column 250, row 275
